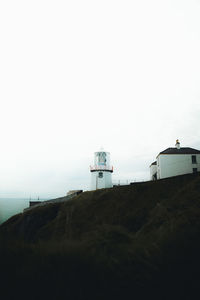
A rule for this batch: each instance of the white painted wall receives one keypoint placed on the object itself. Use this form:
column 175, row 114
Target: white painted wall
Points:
column 169, row 165
column 100, row 183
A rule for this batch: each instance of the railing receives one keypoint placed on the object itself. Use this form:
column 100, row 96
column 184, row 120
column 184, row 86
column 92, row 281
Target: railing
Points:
column 102, row 168
column 121, row 182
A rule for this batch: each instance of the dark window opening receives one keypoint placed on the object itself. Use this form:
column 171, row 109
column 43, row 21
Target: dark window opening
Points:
column 100, row 174
column 155, row 176
column 194, row 159
column 194, row 170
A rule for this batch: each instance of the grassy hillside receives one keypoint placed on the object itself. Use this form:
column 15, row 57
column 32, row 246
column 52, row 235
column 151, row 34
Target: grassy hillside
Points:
column 129, row 242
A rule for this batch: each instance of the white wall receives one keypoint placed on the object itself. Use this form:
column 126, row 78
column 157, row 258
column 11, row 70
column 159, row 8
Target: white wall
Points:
column 100, row 183
column 169, row 165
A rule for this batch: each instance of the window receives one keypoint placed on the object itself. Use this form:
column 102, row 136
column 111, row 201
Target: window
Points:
column 194, row 159
column 100, row 174
column 194, row 170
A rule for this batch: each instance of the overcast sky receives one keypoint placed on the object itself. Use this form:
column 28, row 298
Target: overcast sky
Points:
column 78, row 75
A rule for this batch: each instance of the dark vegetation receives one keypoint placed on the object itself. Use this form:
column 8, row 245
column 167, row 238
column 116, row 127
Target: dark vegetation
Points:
column 131, row 242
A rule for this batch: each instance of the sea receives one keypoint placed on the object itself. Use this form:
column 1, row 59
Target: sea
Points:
column 12, row 206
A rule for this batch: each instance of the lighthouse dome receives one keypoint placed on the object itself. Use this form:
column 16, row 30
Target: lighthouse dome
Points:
column 102, row 158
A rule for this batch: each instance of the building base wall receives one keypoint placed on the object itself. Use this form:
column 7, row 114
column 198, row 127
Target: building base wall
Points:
column 101, row 180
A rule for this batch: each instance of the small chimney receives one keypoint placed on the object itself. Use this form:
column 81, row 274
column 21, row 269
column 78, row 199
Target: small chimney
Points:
column 178, row 144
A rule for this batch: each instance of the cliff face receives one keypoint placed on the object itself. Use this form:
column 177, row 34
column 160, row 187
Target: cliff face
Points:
column 137, row 241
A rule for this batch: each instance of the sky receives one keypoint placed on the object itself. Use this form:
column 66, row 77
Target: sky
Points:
column 79, row 75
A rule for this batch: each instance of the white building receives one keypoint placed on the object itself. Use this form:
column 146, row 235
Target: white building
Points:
column 153, row 171
column 101, row 172
column 175, row 161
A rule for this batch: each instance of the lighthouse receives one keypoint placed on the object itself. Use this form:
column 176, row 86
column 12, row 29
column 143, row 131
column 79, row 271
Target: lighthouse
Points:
column 101, row 171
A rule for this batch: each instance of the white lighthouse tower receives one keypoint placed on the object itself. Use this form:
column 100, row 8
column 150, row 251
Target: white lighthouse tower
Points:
column 101, row 172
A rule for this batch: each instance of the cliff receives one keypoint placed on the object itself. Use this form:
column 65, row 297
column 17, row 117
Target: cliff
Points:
column 134, row 242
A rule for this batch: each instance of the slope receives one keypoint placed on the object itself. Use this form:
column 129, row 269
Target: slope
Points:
column 136, row 241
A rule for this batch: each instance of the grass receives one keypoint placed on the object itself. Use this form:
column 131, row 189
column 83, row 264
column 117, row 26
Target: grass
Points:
column 129, row 242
